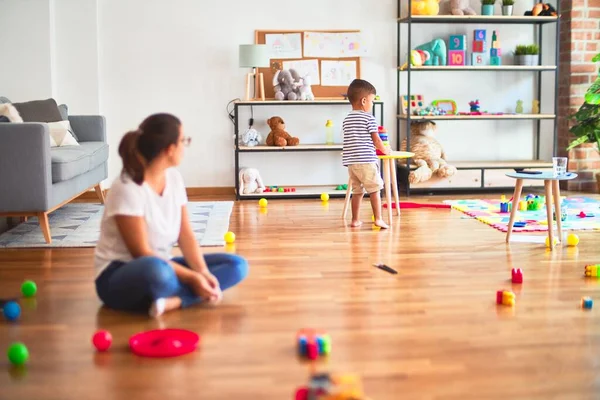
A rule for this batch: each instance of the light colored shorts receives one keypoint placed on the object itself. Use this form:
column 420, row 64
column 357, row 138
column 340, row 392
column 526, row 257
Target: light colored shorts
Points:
column 365, row 177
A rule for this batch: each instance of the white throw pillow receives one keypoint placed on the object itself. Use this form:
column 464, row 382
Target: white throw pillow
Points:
column 10, row 112
column 60, row 135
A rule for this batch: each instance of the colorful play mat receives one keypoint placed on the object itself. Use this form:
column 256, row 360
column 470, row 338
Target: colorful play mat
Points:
column 488, row 212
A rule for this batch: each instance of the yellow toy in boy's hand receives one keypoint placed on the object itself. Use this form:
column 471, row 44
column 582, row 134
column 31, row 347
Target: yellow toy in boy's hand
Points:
column 229, row 237
column 425, row 7
column 572, row 239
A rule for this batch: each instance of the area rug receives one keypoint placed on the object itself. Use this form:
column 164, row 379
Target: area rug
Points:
column 488, row 212
column 78, row 225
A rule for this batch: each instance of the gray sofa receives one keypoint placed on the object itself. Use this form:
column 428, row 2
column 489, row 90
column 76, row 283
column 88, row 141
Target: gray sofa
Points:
column 36, row 179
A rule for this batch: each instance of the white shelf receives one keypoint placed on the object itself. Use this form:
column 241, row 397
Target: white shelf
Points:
column 477, row 117
column 301, row 191
column 508, row 164
column 319, row 101
column 300, row 147
column 482, row 68
column 465, row 19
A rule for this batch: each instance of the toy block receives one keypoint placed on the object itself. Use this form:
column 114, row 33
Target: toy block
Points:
column 456, row 57
column 505, row 297
column 478, row 46
column 592, row 270
column 496, row 44
column 313, row 344
column 495, row 52
column 587, row 303
column 479, row 59
column 522, row 205
column 495, row 60
column 480, row 34
column 516, row 275
column 457, row 42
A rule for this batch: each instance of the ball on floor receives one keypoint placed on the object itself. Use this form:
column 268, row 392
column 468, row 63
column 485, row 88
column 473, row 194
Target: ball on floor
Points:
column 28, row 288
column 18, row 354
column 102, row 340
column 554, row 241
column 229, row 237
column 324, row 197
column 572, row 239
column 263, row 202
column 12, row 311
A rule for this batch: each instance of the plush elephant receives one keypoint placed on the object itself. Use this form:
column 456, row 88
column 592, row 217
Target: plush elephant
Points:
column 434, row 49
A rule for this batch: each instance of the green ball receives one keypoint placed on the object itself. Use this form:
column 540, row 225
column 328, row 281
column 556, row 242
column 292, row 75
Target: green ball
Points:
column 28, row 288
column 18, row 354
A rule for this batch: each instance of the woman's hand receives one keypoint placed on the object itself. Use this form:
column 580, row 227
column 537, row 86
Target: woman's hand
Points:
column 205, row 286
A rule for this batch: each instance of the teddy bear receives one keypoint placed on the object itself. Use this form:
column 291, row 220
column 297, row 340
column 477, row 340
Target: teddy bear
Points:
column 284, row 85
column 278, row 136
column 429, row 154
column 250, row 181
column 461, row 7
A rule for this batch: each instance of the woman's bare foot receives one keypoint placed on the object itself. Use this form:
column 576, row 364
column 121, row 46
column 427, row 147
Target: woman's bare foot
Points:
column 162, row 305
column 356, row 224
column 381, row 224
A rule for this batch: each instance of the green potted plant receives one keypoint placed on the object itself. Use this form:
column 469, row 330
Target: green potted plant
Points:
column 587, row 119
column 507, row 7
column 487, row 7
column 520, row 52
column 532, row 54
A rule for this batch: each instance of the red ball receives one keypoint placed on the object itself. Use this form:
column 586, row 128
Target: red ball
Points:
column 102, row 340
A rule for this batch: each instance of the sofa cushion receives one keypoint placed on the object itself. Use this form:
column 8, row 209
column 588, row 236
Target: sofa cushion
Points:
column 70, row 161
column 39, row 111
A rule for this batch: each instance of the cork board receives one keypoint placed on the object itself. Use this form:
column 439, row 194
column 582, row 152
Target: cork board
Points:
column 319, row 91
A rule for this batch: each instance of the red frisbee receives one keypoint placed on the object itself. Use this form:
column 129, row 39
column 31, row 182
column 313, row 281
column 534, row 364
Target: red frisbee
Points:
column 164, row 343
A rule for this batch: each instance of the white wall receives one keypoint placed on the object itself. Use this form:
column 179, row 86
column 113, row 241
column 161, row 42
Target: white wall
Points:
column 128, row 59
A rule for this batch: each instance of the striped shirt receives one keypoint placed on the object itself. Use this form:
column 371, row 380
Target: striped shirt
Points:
column 358, row 144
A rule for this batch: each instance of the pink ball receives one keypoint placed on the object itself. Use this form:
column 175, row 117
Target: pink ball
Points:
column 102, row 340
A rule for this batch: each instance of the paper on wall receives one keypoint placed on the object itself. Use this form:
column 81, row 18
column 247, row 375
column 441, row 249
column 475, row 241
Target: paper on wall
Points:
column 305, row 67
column 284, row 45
column 337, row 73
column 334, row 45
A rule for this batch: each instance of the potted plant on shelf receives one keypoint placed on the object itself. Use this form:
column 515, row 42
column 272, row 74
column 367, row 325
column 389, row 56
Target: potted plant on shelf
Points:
column 532, row 54
column 507, row 7
column 520, row 52
column 587, row 119
column 487, row 7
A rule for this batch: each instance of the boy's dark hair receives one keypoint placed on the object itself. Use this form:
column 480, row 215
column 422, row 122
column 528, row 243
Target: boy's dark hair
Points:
column 358, row 89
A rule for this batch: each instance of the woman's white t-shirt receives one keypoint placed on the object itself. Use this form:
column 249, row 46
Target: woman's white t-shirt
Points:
column 162, row 215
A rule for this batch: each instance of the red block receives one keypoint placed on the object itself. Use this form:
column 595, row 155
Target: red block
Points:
column 478, row 46
column 499, row 296
column 517, row 275
column 312, row 350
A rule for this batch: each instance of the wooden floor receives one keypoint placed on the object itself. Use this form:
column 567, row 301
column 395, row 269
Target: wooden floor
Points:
column 431, row 332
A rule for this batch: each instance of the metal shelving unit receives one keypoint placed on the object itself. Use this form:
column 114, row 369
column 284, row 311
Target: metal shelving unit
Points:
column 483, row 166
column 302, row 192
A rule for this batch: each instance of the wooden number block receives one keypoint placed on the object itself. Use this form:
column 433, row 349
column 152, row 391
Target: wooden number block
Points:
column 457, row 42
column 495, row 60
column 479, row 35
column 479, row 59
column 496, row 44
column 456, row 57
column 495, row 52
column 478, row 46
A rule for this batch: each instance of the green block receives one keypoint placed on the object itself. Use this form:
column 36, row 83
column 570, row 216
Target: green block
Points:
column 326, row 344
column 495, row 60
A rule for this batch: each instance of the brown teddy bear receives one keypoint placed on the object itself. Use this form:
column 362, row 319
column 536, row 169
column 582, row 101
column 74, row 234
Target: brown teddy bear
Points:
column 278, row 136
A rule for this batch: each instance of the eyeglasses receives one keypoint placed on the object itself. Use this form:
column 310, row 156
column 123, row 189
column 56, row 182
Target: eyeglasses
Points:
column 186, row 141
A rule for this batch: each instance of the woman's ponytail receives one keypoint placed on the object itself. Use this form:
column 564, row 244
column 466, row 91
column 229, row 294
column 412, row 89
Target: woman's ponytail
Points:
column 132, row 161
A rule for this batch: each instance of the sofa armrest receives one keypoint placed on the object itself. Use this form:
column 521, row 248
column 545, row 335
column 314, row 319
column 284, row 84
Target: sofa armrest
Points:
column 89, row 128
column 25, row 167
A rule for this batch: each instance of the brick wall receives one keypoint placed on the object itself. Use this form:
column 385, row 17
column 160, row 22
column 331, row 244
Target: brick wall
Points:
column 579, row 42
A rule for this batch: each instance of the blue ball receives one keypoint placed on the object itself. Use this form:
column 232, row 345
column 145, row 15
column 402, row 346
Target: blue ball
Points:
column 12, row 311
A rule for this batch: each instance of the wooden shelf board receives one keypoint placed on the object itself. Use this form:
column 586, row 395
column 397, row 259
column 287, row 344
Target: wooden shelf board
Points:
column 462, row 19
column 330, row 101
column 300, row 147
column 509, row 164
column 477, row 117
column 483, row 68
column 300, row 191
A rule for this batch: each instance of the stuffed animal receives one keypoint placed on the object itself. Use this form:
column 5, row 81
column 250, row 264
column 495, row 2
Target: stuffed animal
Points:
column 542, row 10
column 250, row 181
column 278, row 136
column 425, row 7
column 283, row 83
column 306, row 89
column 429, row 154
column 461, row 7
column 436, row 49
column 250, row 138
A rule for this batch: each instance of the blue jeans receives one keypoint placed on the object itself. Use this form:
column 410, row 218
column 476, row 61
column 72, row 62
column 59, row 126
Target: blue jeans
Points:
column 135, row 285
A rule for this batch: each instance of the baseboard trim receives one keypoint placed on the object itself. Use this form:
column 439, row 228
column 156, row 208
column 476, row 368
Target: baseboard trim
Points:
column 191, row 191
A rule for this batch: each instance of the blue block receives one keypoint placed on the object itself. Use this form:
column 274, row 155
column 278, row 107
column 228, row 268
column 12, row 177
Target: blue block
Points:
column 479, row 34
column 321, row 345
column 302, row 346
column 479, row 59
column 495, row 60
column 11, row 310
column 496, row 52
column 457, row 42
column 588, row 303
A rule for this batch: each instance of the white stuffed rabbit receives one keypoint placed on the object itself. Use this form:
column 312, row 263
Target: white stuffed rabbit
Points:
column 250, row 181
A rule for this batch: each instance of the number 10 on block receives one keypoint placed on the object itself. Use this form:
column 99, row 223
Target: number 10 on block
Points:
column 456, row 57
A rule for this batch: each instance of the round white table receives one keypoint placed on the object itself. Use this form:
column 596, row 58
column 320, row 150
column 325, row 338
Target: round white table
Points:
column 551, row 185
